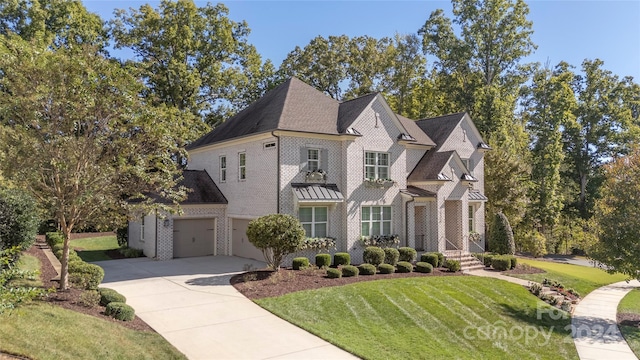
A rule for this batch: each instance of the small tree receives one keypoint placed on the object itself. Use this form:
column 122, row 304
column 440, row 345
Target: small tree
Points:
column 501, row 236
column 277, row 235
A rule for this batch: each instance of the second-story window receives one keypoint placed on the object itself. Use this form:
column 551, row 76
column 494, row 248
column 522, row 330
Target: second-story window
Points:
column 223, row 169
column 313, row 159
column 242, row 166
column 376, row 165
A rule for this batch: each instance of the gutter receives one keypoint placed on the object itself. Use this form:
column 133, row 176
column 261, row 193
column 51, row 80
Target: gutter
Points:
column 406, row 221
column 273, row 133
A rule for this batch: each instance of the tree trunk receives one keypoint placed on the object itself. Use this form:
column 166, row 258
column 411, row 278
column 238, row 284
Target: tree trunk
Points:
column 64, row 271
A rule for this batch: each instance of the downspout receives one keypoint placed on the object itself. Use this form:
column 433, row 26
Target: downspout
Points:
column 155, row 256
column 406, row 221
column 273, row 133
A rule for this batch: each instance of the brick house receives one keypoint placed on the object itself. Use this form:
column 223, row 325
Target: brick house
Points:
column 347, row 170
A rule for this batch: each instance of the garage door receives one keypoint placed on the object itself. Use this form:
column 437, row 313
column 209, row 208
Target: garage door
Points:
column 193, row 237
column 241, row 245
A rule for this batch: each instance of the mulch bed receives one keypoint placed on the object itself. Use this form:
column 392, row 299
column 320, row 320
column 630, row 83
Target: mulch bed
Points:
column 69, row 299
column 524, row 269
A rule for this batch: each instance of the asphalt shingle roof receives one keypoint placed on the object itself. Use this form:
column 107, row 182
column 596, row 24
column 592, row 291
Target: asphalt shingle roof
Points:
column 201, row 188
column 430, row 166
column 414, row 131
column 439, row 128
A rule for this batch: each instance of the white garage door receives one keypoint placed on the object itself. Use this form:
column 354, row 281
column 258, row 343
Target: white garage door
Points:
column 193, row 237
column 241, row 245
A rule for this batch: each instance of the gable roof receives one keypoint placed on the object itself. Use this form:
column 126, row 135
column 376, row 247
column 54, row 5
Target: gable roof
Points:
column 430, row 167
column 349, row 110
column 439, row 128
column 421, row 138
column 201, row 188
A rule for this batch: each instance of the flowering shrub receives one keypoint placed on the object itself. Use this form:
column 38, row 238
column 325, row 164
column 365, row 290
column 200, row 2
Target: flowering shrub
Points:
column 319, row 243
column 380, row 240
column 474, row 236
column 379, row 183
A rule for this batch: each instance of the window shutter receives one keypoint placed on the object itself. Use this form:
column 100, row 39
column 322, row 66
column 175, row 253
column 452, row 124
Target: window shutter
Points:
column 324, row 160
column 303, row 159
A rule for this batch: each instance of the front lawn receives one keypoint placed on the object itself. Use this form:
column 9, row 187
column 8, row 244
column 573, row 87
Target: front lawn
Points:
column 580, row 278
column 629, row 313
column 43, row 331
column 95, row 249
column 460, row 317
column 28, row 263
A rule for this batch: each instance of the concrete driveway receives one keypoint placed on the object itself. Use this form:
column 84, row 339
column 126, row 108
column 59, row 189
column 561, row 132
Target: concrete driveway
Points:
column 191, row 304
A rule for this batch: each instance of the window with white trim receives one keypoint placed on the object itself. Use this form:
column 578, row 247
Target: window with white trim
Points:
column 242, row 166
column 376, row 165
column 223, row 169
column 472, row 220
column 376, row 220
column 313, row 159
column 314, row 220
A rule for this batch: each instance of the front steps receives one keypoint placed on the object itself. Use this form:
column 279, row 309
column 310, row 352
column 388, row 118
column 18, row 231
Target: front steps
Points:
column 467, row 261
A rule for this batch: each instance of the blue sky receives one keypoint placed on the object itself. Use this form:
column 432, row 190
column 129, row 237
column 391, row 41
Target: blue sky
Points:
column 563, row 30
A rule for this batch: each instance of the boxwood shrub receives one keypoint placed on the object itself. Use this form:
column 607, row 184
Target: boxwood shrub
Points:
column 300, row 263
column 334, row 273
column 424, row 267
column 404, row 266
column 514, row 261
column 53, row 238
column 452, row 265
column 341, row 258
column 386, row 269
column 488, row 259
column 350, row 270
column 407, row 254
column 109, row 295
column 440, row 259
column 391, row 256
column 86, row 276
column 431, row 258
column 120, row 311
column 367, row 269
column 501, row 263
column 373, row 255
column 323, row 260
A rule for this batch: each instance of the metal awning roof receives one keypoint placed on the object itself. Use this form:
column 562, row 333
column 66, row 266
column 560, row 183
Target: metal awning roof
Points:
column 317, row 192
column 477, row 196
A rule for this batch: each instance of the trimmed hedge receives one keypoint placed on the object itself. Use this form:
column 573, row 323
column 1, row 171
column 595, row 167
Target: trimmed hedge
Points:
column 350, row 270
column 341, row 258
column 86, row 276
column 323, row 260
column 452, row 265
column 431, row 258
column 108, row 296
column 514, row 261
column 440, row 258
column 367, row 269
column 53, row 238
column 300, row 263
column 404, row 267
column 501, row 263
column 334, row 273
column 488, row 259
column 386, row 269
column 424, row 267
column 407, row 254
column 373, row 255
column 120, row 311
column 391, row 256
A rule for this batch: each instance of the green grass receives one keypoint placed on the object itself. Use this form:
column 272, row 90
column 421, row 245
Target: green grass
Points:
column 93, row 249
column 43, row 331
column 460, row 317
column 580, row 278
column 631, row 304
column 28, row 263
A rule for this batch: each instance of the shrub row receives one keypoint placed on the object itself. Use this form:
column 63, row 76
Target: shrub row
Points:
column 53, row 238
column 436, row 259
column 452, row 265
column 120, row 311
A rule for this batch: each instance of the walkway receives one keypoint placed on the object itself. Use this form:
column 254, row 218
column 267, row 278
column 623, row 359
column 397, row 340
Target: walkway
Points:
column 497, row 275
column 594, row 325
column 191, row 304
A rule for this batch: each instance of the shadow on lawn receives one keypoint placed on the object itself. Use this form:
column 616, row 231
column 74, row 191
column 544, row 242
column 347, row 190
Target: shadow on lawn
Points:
column 546, row 316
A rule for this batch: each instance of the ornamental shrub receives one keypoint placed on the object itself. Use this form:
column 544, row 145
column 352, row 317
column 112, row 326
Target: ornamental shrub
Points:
column 334, row 273
column 53, row 238
column 89, row 298
column 501, row 236
column 386, row 269
column 514, row 261
column 109, row 295
column 86, row 276
column 424, row 267
column 501, row 263
column 404, row 266
column 488, row 258
column 341, row 258
column 440, row 258
column 367, row 269
column 350, row 270
column 120, row 311
column 373, row 255
column 18, row 220
column 407, row 254
column 277, row 235
column 323, row 260
column 300, row 263
column 431, row 258
column 391, row 256
column 452, row 265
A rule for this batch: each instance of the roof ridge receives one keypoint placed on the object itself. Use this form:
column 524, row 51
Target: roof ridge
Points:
column 441, row 116
column 360, row 97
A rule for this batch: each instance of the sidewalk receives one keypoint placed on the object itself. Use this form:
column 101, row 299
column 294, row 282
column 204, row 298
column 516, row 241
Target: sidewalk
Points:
column 594, row 325
column 497, row 275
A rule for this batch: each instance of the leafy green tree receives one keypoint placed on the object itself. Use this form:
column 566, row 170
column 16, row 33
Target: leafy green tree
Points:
column 277, row 235
column 78, row 135
column 548, row 104
column 193, row 58
column 618, row 215
column 369, row 61
column 18, row 219
column 501, row 239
